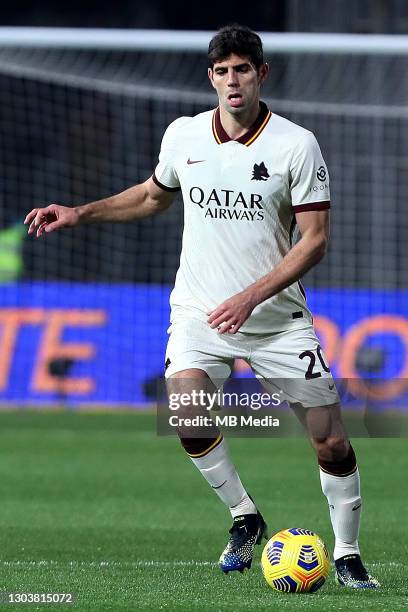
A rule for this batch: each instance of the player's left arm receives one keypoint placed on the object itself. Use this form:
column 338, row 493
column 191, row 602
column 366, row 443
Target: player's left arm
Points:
column 314, row 228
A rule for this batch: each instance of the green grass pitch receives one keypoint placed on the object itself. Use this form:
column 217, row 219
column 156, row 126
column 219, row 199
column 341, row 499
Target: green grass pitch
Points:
column 98, row 505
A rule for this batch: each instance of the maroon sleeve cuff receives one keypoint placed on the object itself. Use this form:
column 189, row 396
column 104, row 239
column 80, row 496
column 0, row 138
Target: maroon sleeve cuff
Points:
column 164, row 187
column 311, row 206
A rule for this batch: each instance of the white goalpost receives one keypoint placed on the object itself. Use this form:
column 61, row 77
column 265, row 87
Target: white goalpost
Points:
column 193, row 40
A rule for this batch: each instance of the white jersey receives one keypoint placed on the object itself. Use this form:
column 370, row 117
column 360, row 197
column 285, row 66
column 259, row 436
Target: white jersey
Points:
column 240, row 199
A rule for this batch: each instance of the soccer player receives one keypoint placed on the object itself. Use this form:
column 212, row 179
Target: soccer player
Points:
column 247, row 176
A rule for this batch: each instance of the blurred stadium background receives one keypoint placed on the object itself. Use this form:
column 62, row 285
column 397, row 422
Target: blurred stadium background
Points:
column 83, row 314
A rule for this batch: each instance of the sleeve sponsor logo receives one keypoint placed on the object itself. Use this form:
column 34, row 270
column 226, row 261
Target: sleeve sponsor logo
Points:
column 321, row 173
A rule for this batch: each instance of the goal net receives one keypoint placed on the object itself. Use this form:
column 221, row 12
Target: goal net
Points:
column 84, row 313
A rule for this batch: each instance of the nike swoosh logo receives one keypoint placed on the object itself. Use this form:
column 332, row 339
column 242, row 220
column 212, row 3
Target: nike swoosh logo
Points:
column 195, row 161
column 221, row 485
column 356, row 508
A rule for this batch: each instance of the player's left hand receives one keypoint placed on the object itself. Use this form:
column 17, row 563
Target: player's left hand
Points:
column 231, row 314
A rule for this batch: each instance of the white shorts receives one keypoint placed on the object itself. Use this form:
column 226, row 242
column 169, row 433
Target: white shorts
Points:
column 291, row 361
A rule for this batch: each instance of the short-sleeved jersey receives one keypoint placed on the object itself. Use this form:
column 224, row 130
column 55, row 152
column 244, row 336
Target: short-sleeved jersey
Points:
column 240, row 198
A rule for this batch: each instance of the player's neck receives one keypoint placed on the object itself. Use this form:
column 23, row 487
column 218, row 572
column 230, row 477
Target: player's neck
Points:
column 238, row 125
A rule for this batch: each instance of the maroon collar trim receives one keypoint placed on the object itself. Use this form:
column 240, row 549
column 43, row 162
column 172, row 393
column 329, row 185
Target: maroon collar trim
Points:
column 251, row 135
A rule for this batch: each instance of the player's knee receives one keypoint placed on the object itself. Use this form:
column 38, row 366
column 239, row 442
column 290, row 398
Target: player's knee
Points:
column 331, row 448
column 189, row 392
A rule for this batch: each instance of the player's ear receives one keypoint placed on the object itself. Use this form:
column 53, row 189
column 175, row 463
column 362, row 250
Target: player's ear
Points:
column 211, row 76
column 263, row 73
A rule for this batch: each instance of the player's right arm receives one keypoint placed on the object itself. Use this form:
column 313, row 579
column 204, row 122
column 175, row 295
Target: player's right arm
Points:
column 137, row 202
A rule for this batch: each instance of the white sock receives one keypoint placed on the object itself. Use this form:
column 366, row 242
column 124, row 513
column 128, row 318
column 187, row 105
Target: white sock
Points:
column 343, row 495
column 219, row 471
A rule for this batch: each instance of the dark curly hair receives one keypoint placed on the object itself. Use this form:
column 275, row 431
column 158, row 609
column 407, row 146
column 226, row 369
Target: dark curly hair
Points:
column 237, row 39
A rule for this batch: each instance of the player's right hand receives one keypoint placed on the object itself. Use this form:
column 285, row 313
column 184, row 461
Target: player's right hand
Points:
column 51, row 218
